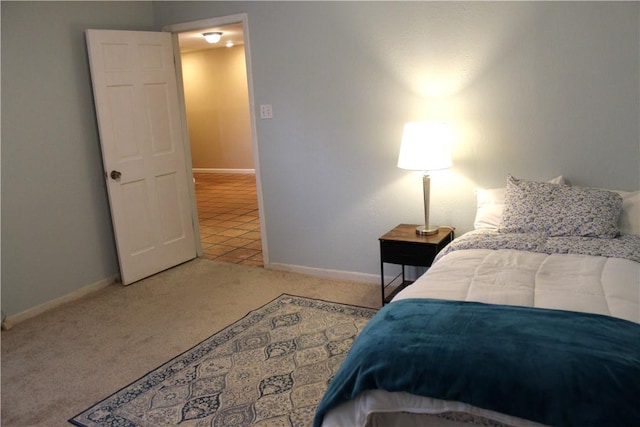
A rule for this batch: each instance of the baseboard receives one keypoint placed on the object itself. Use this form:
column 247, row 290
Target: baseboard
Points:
column 216, row 170
column 329, row 274
column 75, row 295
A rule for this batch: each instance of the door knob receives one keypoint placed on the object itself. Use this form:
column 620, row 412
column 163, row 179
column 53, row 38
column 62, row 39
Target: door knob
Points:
column 116, row 174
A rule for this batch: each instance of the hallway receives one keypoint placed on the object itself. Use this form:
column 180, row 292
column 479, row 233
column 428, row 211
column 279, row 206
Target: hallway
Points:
column 228, row 214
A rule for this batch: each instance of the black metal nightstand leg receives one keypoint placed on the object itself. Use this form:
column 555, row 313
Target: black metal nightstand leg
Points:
column 382, row 282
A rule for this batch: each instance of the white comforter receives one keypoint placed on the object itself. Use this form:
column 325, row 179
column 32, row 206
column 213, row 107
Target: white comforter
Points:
column 585, row 283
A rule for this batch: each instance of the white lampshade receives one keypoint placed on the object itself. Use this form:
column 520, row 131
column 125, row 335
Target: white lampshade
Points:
column 425, row 147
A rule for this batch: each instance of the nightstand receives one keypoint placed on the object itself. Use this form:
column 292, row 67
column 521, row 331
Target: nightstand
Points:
column 403, row 246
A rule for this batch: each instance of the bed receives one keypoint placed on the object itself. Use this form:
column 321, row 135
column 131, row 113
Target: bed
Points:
column 531, row 319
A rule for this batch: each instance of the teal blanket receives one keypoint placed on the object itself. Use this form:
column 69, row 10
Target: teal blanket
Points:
column 554, row 367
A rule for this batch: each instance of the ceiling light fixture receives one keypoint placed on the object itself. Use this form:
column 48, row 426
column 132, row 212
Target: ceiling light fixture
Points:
column 212, row 37
column 229, row 44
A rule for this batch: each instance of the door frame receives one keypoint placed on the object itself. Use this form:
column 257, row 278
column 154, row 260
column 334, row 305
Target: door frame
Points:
column 202, row 24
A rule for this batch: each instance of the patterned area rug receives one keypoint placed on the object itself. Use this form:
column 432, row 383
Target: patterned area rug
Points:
column 269, row 368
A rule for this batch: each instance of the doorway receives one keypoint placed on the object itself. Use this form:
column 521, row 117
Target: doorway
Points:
column 222, row 136
column 229, row 219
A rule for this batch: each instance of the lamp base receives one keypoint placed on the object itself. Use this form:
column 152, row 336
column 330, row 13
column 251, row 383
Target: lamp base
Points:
column 427, row 230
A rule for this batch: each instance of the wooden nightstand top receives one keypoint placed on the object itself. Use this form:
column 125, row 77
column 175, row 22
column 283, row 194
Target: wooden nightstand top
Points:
column 407, row 233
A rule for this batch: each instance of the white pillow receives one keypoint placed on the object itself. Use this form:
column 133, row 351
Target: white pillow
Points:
column 629, row 221
column 491, row 206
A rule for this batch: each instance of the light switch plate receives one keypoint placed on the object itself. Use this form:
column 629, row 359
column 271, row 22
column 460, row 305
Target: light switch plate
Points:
column 266, row 111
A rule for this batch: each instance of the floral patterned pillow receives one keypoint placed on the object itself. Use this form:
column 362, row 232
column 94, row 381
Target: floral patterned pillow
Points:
column 559, row 210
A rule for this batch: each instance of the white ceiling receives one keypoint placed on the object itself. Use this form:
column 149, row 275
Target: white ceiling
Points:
column 193, row 40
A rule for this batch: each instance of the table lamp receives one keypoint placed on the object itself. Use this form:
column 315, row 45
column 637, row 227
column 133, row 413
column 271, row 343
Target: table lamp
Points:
column 425, row 147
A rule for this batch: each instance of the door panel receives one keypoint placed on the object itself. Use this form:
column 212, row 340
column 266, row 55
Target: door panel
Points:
column 167, row 197
column 141, row 136
column 139, row 233
column 126, row 143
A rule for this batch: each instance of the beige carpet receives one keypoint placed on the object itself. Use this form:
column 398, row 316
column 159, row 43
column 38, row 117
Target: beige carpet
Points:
column 57, row 364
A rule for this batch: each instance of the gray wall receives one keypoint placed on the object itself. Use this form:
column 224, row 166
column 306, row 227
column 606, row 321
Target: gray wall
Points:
column 56, row 226
column 533, row 89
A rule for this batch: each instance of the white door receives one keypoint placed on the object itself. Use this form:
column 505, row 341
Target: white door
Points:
column 136, row 100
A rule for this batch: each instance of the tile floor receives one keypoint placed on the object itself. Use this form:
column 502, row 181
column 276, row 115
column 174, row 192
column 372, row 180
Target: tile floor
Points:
column 228, row 213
